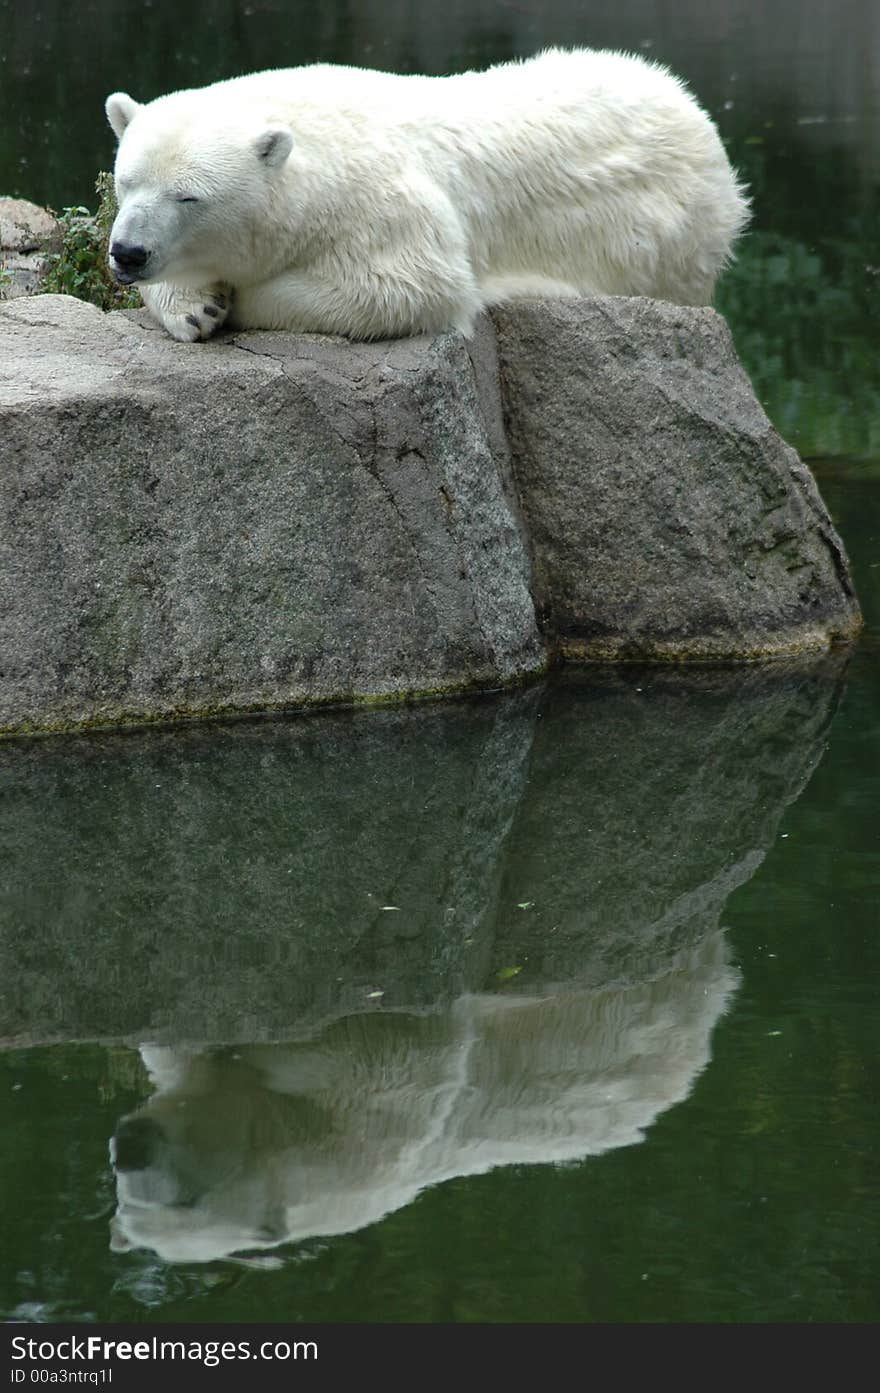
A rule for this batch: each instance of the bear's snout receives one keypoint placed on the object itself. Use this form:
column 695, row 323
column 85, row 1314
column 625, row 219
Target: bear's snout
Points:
column 136, row 1143
column 127, row 261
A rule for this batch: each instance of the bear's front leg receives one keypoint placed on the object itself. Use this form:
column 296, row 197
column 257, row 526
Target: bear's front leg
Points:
column 188, row 315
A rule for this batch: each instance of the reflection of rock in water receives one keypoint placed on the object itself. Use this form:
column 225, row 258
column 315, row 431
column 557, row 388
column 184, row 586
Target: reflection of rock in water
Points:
column 247, row 1148
column 232, row 884
column 572, row 849
column 664, row 789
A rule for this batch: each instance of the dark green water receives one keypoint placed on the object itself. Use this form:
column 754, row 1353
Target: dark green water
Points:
column 561, row 1005
column 583, row 876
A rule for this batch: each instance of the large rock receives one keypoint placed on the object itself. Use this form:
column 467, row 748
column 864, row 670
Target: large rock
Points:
column 668, row 519
column 28, row 234
column 278, row 520
column 265, row 521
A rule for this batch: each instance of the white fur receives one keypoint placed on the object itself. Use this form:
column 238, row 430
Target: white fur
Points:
column 250, row 1147
column 348, row 201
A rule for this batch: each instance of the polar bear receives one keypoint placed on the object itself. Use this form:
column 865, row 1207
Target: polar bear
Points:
column 346, row 201
column 251, row 1146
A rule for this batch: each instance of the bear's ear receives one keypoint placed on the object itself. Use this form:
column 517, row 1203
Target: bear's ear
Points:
column 273, row 145
column 120, row 108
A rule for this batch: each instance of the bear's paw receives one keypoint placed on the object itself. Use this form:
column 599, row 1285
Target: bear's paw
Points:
column 189, row 316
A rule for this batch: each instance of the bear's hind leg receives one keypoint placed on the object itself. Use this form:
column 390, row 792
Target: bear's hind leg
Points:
column 374, row 305
column 189, row 315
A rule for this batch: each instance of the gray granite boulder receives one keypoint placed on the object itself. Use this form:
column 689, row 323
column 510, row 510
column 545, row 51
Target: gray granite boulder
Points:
column 271, row 521
column 28, row 234
column 668, row 519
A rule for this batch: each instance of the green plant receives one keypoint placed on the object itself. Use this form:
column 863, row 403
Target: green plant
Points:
column 80, row 267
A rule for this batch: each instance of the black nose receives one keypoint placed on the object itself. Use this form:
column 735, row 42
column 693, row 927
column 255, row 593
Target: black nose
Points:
column 128, row 257
column 136, row 1143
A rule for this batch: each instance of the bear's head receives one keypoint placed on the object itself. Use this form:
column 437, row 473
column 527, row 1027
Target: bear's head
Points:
column 194, row 183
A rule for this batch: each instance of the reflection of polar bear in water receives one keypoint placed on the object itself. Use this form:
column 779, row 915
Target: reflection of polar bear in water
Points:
column 248, row 1147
